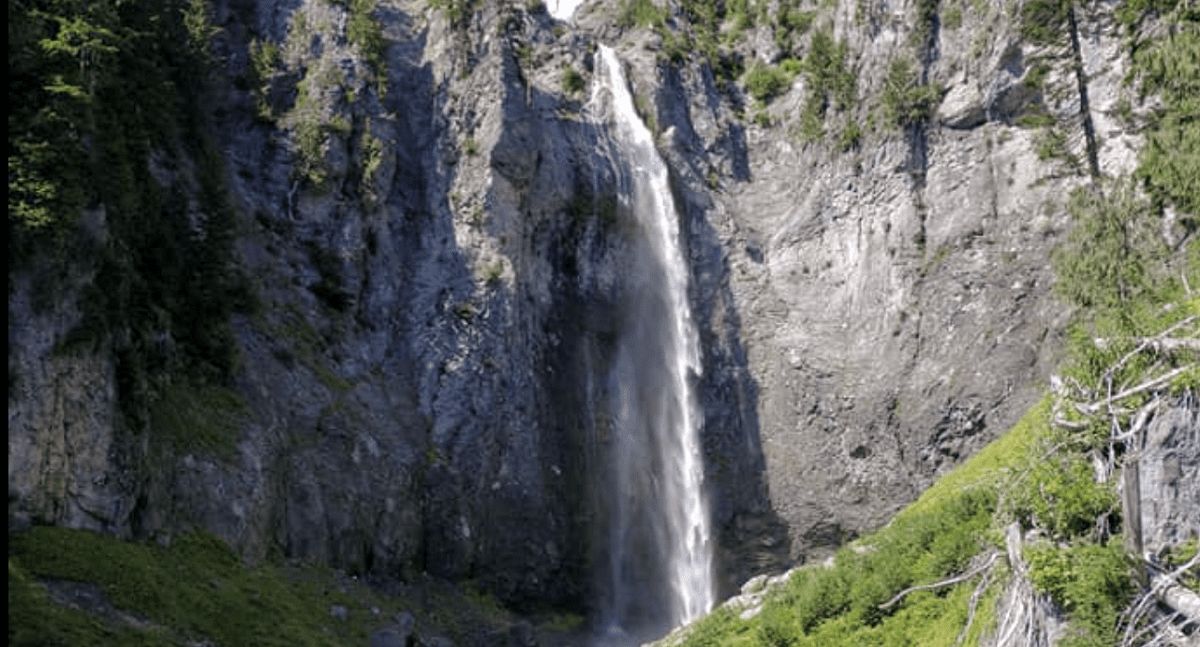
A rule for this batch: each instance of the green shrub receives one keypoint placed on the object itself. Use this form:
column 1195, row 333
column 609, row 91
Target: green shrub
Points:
column 1170, row 68
column 200, row 417
column 1132, row 11
column 1044, row 21
column 1052, row 144
column 926, row 13
column 830, row 82
column 905, row 102
column 765, row 82
column 456, row 11
column 1090, row 582
column 572, row 82
column 851, row 137
column 1108, row 259
column 366, row 33
column 952, row 18
column 1062, row 497
column 641, row 13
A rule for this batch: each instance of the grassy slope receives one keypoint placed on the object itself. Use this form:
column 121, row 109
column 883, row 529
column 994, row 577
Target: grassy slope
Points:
column 932, row 539
column 196, row 588
column 198, row 592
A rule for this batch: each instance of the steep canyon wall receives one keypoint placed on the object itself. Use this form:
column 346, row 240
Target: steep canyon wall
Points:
column 436, row 247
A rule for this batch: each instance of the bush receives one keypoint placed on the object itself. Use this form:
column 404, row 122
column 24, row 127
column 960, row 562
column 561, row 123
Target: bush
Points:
column 1090, row 582
column 572, row 82
column 364, row 31
column 830, row 83
column 1062, row 497
column 1170, row 68
column 765, row 82
column 905, row 103
column 1044, row 21
column 641, row 13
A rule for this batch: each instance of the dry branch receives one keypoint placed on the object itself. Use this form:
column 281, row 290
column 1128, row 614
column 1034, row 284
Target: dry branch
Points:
column 975, row 596
column 937, row 585
column 1089, row 409
column 1173, row 594
column 1167, row 345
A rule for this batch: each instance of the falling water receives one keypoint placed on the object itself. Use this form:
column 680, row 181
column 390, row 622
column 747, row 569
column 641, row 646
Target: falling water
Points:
column 658, row 553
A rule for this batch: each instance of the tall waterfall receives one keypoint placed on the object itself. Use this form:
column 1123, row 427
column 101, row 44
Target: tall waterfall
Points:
column 657, row 570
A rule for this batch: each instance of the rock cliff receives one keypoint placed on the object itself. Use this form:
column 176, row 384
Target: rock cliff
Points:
column 435, row 247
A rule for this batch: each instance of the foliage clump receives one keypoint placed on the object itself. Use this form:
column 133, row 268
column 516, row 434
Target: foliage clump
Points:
column 830, row 82
column 765, row 82
column 1044, row 21
column 197, row 591
column 1091, row 582
column 1170, row 68
column 106, row 87
column 906, row 101
column 365, row 32
column 641, row 13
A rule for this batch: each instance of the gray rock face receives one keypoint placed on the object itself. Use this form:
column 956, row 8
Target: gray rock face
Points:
column 437, row 315
column 1169, row 463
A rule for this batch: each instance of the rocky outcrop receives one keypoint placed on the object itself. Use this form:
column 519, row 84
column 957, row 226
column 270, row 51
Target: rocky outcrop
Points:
column 1170, row 494
column 436, row 250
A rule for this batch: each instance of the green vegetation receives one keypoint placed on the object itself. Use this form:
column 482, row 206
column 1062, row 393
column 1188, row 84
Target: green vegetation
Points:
column 492, row 273
column 366, row 33
column 1038, row 118
column 194, row 592
column 952, row 18
column 1044, row 21
column 103, row 88
column 851, row 137
column 371, row 153
column 456, row 11
column 572, row 81
column 264, row 61
column 1051, row 143
column 922, row 33
column 641, row 13
column 1091, row 582
column 830, row 82
column 939, row 535
column 906, row 102
column 1131, row 12
column 791, row 22
column 1170, row 68
column 1035, row 79
column 311, row 135
column 765, row 82
column 200, row 417
column 525, row 57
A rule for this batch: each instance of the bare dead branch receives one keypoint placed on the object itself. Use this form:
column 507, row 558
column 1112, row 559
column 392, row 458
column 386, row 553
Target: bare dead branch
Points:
column 1173, row 594
column 1145, row 386
column 975, row 597
column 937, row 585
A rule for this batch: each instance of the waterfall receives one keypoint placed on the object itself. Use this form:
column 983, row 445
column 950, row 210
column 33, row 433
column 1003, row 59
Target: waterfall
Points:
column 657, row 564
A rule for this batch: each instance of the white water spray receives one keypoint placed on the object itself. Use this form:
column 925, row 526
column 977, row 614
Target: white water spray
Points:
column 563, row 9
column 659, row 554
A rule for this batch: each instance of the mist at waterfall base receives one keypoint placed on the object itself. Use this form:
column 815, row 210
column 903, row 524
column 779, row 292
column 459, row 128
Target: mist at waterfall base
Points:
column 653, row 556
